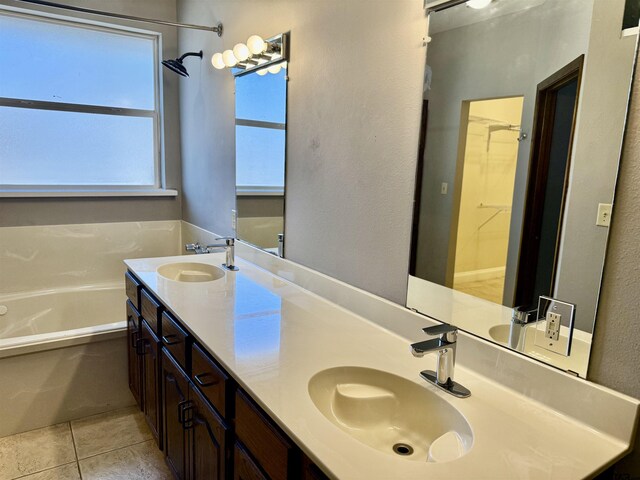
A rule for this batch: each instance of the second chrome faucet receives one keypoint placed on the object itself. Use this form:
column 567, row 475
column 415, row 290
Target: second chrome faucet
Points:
column 229, row 247
column 445, row 348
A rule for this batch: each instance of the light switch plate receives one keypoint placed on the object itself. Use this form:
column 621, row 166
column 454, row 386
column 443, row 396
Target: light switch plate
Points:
column 444, row 188
column 554, row 330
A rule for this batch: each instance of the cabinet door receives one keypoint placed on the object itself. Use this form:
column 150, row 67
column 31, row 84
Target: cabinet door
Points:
column 209, row 440
column 243, row 466
column 150, row 347
column 133, row 349
column 175, row 389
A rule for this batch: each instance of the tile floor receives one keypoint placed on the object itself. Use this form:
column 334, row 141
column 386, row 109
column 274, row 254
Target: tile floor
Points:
column 110, row 446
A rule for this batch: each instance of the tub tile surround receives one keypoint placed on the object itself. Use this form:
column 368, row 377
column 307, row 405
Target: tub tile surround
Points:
column 116, row 445
column 63, row 384
column 34, row 258
column 530, row 420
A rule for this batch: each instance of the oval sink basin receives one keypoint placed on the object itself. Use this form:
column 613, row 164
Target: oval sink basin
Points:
column 190, row 272
column 391, row 414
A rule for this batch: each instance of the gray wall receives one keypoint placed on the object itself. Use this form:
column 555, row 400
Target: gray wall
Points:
column 50, row 211
column 615, row 355
column 352, row 130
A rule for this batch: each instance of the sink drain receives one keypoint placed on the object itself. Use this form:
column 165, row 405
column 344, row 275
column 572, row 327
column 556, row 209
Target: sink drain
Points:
column 403, row 449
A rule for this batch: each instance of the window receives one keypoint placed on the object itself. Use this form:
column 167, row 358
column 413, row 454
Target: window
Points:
column 79, row 105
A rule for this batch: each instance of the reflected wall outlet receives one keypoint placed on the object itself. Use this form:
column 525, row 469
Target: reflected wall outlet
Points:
column 554, row 329
column 604, row 214
column 234, row 220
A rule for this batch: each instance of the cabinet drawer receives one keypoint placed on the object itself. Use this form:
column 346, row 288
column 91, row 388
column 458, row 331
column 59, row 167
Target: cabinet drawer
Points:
column 132, row 286
column 175, row 339
column 210, row 380
column 271, row 449
column 151, row 311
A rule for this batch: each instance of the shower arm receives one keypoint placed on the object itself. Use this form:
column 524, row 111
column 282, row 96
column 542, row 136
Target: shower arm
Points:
column 190, row 54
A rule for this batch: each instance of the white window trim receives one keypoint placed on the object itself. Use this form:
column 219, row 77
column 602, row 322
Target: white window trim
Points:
column 159, row 187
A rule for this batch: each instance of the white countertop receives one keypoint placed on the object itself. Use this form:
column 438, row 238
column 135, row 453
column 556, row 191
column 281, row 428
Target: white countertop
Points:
column 273, row 336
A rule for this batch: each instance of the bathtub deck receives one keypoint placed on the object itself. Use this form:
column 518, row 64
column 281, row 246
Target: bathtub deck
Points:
column 111, row 445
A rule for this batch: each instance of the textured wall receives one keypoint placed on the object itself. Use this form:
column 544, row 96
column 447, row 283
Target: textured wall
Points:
column 50, row 211
column 616, row 350
column 353, row 118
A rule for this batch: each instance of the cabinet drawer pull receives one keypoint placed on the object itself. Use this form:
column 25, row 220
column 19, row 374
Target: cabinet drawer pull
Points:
column 199, row 380
column 167, row 340
column 185, row 417
column 141, row 346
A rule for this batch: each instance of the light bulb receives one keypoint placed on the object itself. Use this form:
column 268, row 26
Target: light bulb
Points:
column 256, row 44
column 241, row 52
column 229, row 58
column 262, row 72
column 217, row 61
column 478, row 4
column 274, row 68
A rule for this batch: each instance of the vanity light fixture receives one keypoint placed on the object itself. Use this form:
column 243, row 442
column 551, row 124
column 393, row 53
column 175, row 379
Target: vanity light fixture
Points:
column 263, row 56
column 478, row 4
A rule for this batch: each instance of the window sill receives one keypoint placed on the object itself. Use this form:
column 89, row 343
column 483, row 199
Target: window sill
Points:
column 160, row 192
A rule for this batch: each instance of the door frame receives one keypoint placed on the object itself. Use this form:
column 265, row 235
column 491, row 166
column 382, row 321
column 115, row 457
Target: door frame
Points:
column 543, row 122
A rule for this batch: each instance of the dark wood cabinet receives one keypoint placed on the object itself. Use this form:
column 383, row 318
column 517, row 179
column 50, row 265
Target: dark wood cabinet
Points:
column 310, row 471
column 271, row 449
column 244, row 468
column 208, row 427
column 209, row 440
column 150, row 349
column 175, row 393
column 133, row 353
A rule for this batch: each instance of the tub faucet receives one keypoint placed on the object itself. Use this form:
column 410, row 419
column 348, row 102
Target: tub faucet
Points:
column 229, row 246
column 445, row 346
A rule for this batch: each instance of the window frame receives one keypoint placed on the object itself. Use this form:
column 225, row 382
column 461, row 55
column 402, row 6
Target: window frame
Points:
column 159, row 186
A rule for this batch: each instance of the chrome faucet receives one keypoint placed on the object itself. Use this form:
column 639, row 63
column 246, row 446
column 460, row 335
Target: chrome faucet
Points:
column 445, row 346
column 229, row 246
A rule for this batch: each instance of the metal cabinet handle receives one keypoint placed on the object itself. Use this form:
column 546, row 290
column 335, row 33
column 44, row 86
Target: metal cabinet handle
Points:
column 198, row 378
column 166, row 340
column 185, row 417
column 141, row 346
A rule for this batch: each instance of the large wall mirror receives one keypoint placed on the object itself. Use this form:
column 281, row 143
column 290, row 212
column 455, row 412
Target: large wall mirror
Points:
column 261, row 126
column 523, row 117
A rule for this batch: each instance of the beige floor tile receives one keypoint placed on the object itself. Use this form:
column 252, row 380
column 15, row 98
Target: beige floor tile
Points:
column 109, row 431
column 139, row 462
column 65, row 472
column 34, row 451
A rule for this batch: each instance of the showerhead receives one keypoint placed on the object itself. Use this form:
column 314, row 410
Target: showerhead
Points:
column 177, row 66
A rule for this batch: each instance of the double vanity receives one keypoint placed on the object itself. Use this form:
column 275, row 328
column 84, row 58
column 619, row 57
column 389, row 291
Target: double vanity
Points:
column 247, row 374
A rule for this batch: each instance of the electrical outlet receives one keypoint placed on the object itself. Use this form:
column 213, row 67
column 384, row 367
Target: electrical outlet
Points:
column 604, row 214
column 553, row 326
column 554, row 329
column 234, row 220
column 444, row 188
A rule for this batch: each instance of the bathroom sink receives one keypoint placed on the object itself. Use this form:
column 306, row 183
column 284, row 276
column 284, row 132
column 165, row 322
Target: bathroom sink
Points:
column 391, row 414
column 190, row 272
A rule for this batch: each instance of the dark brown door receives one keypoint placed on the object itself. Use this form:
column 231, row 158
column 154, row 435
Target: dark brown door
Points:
column 150, row 348
column 554, row 125
column 133, row 349
column 175, row 389
column 209, row 440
